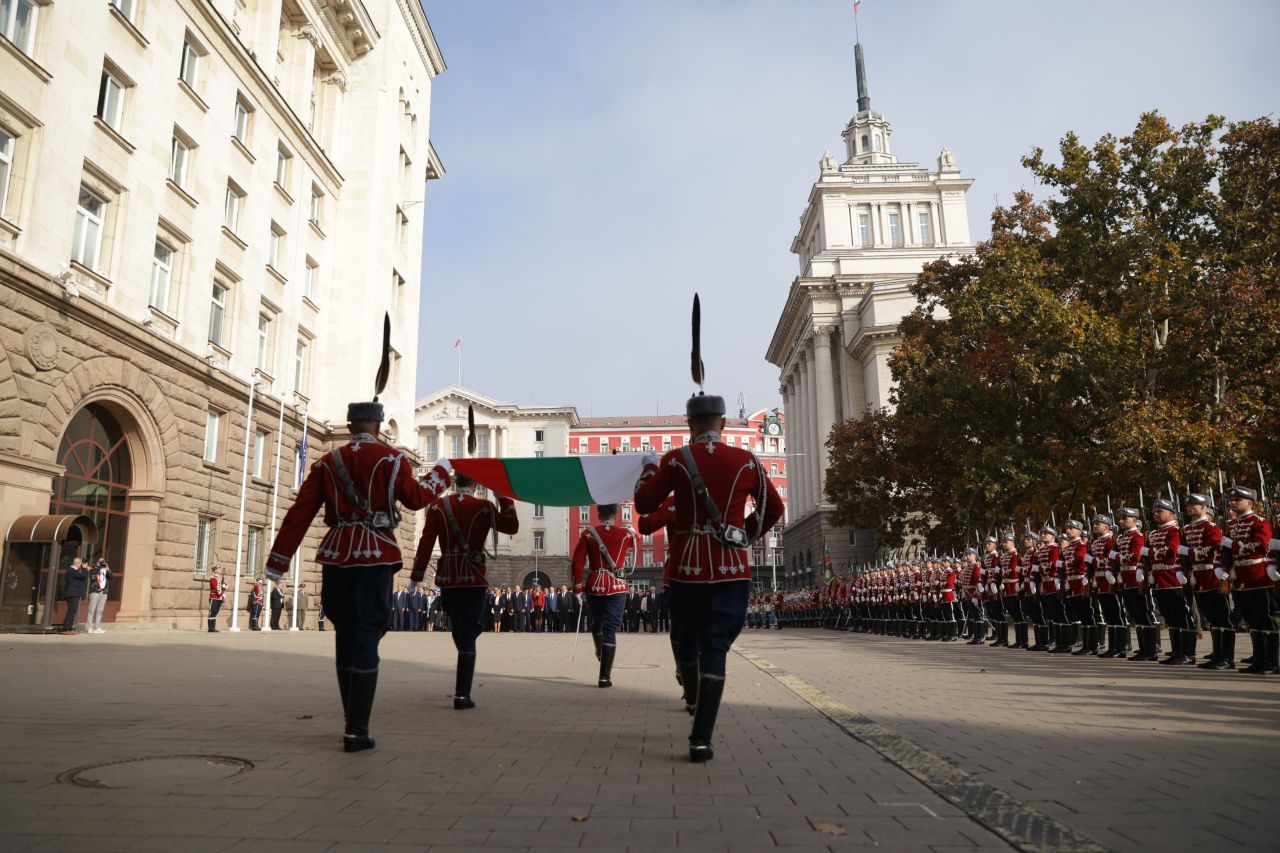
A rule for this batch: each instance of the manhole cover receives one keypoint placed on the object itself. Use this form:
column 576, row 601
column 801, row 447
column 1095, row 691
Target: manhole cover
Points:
column 158, row 772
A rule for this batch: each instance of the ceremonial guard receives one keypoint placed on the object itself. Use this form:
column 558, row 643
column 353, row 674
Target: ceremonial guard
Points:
column 1079, row 603
column 947, row 600
column 1131, row 547
column 1106, row 586
column 1202, row 541
column 991, row 588
column 461, row 524
column 1253, row 576
column 1029, row 598
column 971, row 583
column 1168, row 579
column 602, row 551
column 710, row 573
column 255, row 604
column 1055, row 613
column 1009, row 579
column 217, row 593
column 358, row 486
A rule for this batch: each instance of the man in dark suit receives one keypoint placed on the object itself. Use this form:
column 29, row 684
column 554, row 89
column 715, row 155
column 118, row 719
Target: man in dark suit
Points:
column 76, row 577
column 632, row 611
column 523, row 605
column 277, row 606
column 568, row 609
column 551, row 619
column 649, row 609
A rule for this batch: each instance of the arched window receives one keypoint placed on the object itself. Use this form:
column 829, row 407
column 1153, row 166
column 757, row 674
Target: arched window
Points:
column 877, row 141
column 866, row 143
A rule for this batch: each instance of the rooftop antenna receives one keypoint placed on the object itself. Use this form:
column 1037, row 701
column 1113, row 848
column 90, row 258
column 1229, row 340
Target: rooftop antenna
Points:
column 742, row 405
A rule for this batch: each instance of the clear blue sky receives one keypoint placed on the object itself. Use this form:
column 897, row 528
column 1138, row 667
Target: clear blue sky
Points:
column 605, row 159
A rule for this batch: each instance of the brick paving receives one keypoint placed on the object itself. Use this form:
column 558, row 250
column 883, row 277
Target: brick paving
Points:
column 1133, row 756
column 547, row 760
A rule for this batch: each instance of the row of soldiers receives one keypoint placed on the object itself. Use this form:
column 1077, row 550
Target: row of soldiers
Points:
column 1066, row 593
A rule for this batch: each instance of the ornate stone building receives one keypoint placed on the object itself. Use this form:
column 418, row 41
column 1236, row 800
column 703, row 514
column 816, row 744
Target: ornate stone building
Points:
column 870, row 224
column 503, row 430
column 201, row 195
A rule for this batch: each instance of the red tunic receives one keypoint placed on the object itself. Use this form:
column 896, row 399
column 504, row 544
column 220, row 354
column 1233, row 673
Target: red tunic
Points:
column 1047, row 558
column 991, row 574
column 1203, row 541
column 948, row 585
column 1250, row 543
column 256, row 594
column 217, row 588
column 1030, row 584
column 1129, row 546
column 732, row 476
column 476, row 518
column 382, row 476
column 1077, row 571
column 618, row 542
column 1162, row 546
column 972, row 575
column 1104, row 578
column 1009, row 572
column 655, row 521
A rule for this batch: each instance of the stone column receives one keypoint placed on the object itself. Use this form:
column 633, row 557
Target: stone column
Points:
column 787, row 405
column 441, row 453
column 825, row 407
column 140, row 555
column 493, row 441
column 814, row 458
column 798, row 436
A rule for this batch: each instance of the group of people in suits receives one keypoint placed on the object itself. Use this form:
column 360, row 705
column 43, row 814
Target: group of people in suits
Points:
column 535, row 610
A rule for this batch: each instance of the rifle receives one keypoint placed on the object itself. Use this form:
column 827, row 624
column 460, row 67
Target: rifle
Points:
column 1268, row 510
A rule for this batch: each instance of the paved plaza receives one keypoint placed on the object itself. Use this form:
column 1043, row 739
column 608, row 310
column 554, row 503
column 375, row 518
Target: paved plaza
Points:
column 826, row 741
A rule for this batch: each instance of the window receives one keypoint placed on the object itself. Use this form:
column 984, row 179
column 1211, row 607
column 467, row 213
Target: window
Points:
column 6, row 167
column 212, row 426
column 876, row 141
column 87, row 243
column 645, row 447
column 926, row 236
column 179, row 157
column 110, row 99
column 539, row 435
column 482, row 445
column 626, row 512
column 864, row 229
column 253, row 561
column 309, row 278
column 647, row 539
column 539, row 540
column 648, row 559
column 264, row 341
column 539, row 511
column 895, row 229
column 773, row 469
column 317, row 203
column 582, row 445
column 455, row 443
column 301, row 365
column 584, row 515
column 275, row 246
column 18, row 23
column 626, row 445
column 125, row 7
column 231, row 207
column 161, row 276
column 866, row 143
column 240, row 129
column 189, row 70
column 259, row 453
column 604, row 445
column 282, row 167
column 538, row 454
column 431, row 451
column 206, row 530
column 218, row 313
column 666, row 443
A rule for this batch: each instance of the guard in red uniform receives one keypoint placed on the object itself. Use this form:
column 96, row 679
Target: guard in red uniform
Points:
column 461, row 523
column 1169, row 581
column 710, row 571
column 991, row 591
column 1055, row 613
column 1131, row 547
column 603, row 551
column 1105, row 584
column 1253, row 575
column 256, row 600
column 1079, row 604
column 947, row 594
column 1029, row 598
column 1009, row 580
column 217, row 593
column 1202, row 542
column 358, row 486
column 970, row 584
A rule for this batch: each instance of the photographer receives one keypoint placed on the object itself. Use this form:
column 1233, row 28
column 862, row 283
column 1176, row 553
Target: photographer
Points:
column 74, row 591
column 99, row 581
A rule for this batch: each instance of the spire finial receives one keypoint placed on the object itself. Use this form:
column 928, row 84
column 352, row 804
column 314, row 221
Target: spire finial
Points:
column 864, row 100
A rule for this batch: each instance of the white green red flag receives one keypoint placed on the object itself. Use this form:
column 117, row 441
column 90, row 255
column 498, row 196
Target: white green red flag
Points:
column 558, row 480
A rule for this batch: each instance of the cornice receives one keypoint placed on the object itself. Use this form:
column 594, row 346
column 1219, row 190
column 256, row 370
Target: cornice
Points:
column 350, row 26
column 423, row 37
column 865, row 339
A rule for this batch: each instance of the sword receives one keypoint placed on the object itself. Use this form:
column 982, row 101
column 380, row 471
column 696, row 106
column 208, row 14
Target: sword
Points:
column 582, row 605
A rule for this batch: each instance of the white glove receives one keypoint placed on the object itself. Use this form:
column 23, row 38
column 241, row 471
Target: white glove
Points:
column 1112, row 555
column 1141, row 575
column 1032, row 586
column 1272, row 573
column 1088, row 559
column 649, row 458
column 1181, row 576
column 1226, row 541
column 1219, row 573
column 580, row 596
column 1183, row 550
column 445, row 464
column 1111, row 578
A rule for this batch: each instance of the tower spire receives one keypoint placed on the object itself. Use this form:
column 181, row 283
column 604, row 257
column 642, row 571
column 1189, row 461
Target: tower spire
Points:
column 864, row 100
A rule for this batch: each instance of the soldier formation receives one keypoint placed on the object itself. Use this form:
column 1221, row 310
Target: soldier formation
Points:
column 1068, row 594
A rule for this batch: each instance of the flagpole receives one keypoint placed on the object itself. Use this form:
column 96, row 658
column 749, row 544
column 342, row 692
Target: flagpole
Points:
column 459, row 348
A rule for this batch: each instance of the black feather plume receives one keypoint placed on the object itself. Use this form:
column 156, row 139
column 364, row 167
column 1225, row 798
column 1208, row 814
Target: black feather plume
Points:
column 384, row 368
column 471, row 431
column 695, row 360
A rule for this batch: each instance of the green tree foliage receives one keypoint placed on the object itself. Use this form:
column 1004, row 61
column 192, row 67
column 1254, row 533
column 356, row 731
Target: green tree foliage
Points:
column 1121, row 332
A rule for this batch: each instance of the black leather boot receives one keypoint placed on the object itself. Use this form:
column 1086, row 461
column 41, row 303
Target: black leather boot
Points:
column 607, row 652
column 1125, row 636
column 462, row 682
column 710, row 692
column 1215, row 635
column 689, row 678
column 1086, row 641
column 1141, row 656
column 1227, row 649
column 595, row 638
column 675, row 655
column 362, row 687
column 1272, row 646
column 344, row 688
column 1259, row 664
column 1175, row 644
column 1189, row 647
column 212, row 621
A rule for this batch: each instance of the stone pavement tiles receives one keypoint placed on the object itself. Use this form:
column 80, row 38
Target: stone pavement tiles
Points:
column 241, row 733
column 1133, row 756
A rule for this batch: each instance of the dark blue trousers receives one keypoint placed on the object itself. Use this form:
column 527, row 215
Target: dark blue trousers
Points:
column 358, row 603
column 466, row 608
column 606, row 615
column 706, row 619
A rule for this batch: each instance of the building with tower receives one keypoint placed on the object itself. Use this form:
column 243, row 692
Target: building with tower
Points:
column 870, row 224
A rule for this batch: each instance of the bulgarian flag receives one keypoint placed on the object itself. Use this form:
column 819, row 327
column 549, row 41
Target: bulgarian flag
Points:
column 559, row 480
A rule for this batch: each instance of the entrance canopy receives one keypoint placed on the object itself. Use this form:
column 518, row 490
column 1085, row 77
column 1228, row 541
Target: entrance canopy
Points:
column 36, row 549
column 52, row 528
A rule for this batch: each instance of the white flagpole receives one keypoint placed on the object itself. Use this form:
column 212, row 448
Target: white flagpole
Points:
column 297, row 569
column 265, row 625
column 244, row 487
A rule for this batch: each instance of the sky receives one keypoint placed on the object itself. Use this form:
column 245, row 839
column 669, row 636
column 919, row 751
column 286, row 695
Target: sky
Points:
column 605, row 159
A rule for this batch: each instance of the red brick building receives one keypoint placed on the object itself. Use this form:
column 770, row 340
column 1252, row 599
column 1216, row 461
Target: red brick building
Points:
column 762, row 432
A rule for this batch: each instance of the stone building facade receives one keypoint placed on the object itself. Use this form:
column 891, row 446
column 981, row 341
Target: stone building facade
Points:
column 871, row 223
column 205, row 197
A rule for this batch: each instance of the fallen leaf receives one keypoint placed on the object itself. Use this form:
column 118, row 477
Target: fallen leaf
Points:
column 305, row 717
column 578, row 818
column 829, row 828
